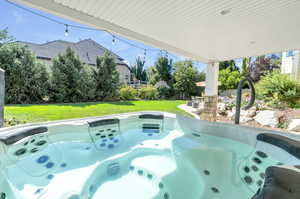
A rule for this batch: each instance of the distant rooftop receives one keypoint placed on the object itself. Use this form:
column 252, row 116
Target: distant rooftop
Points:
column 87, row 50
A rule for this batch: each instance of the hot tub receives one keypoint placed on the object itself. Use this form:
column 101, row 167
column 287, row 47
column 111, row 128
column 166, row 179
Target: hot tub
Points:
column 140, row 155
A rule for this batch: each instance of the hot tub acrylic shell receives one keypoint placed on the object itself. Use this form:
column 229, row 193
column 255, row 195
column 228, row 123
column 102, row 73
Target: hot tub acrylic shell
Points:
column 206, row 165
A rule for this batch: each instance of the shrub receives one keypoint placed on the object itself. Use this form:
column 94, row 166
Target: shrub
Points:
column 13, row 121
column 229, row 79
column 165, row 92
column 278, row 89
column 148, row 93
column 128, row 93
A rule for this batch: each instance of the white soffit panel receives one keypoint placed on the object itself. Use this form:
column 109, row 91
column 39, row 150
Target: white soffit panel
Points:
column 205, row 30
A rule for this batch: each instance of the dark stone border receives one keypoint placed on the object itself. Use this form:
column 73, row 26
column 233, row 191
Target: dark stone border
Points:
column 15, row 136
column 103, row 122
column 289, row 145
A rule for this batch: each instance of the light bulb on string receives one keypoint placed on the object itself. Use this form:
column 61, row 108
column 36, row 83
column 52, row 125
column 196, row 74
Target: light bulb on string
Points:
column 66, row 30
column 113, row 40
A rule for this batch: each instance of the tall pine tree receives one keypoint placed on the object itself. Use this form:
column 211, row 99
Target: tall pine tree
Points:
column 106, row 77
column 68, row 83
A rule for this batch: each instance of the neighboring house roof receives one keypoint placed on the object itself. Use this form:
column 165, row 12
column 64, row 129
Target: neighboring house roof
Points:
column 87, row 50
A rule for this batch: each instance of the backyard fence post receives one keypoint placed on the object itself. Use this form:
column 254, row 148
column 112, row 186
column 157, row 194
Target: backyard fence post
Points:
column 209, row 111
column 2, row 93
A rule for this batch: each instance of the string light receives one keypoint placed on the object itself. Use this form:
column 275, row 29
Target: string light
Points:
column 113, row 40
column 66, row 30
column 67, row 26
column 145, row 53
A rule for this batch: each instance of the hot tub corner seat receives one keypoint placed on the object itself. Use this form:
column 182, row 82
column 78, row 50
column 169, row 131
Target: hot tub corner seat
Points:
column 282, row 182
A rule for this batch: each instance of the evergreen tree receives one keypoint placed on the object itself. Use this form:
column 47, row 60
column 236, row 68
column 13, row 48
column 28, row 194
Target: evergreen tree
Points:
column 228, row 64
column 106, row 77
column 185, row 77
column 26, row 80
column 152, row 75
column 68, row 83
column 5, row 37
column 164, row 69
column 139, row 71
column 246, row 67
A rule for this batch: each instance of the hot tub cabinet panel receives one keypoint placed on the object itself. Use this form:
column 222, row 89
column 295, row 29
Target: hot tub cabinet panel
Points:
column 146, row 155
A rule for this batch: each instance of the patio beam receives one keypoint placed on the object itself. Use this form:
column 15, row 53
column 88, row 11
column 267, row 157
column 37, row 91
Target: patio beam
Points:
column 211, row 92
column 2, row 94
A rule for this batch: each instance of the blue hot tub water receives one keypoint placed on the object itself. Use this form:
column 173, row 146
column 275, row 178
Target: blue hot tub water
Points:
column 121, row 160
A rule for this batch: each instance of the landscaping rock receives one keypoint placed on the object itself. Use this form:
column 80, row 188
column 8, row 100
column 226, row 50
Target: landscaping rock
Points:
column 195, row 105
column 250, row 112
column 245, row 119
column 221, row 108
column 266, row 118
column 231, row 114
column 294, row 125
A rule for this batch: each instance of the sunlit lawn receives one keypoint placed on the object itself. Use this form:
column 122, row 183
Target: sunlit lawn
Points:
column 50, row 112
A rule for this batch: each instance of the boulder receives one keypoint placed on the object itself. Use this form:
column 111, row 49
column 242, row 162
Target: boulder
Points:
column 221, row 108
column 245, row 119
column 247, row 115
column 230, row 114
column 294, row 125
column 266, row 118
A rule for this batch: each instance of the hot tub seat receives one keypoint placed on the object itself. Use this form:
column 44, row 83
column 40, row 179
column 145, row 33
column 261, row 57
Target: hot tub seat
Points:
column 15, row 136
column 281, row 182
column 290, row 145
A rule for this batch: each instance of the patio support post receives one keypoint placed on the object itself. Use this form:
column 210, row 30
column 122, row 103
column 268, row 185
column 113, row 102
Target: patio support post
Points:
column 209, row 111
column 2, row 93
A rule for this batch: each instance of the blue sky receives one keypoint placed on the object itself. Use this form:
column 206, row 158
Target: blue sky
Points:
column 25, row 26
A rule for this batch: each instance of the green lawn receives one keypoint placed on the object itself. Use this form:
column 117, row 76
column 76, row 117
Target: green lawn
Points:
column 49, row 112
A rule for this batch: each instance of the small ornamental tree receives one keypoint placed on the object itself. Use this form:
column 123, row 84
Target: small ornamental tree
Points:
column 106, row 77
column 68, row 78
column 185, row 78
column 26, row 80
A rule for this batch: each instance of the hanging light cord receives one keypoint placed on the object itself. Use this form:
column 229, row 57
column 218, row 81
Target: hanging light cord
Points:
column 81, row 27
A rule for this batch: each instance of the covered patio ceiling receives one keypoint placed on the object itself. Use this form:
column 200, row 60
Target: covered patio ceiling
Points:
column 204, row 30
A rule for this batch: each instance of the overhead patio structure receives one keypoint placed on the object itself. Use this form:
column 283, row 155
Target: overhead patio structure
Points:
column 207, row 31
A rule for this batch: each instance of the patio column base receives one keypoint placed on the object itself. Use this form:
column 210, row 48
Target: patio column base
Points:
column 209, row 112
